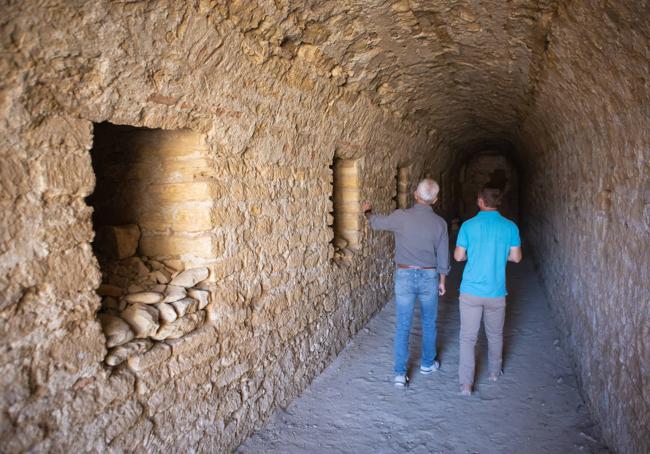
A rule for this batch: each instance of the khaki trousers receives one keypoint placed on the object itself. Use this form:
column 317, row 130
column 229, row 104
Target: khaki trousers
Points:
column 493, row 311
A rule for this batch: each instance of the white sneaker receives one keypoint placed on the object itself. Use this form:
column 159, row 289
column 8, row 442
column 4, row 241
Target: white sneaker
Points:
column 426, row 370
column 401, row 381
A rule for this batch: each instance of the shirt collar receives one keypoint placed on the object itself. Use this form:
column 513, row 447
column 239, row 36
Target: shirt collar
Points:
column 419, row 206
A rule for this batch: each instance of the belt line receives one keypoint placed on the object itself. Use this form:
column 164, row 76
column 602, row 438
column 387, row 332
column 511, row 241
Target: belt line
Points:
column 415, row 267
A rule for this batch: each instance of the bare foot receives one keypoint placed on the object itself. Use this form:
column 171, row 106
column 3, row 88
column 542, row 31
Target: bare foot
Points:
column 465, row 390
column 493, row 377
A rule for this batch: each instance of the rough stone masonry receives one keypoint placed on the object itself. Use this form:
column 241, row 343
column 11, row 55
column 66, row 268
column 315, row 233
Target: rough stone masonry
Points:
column 270, row 95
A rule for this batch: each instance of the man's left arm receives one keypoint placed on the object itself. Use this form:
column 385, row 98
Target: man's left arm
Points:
column 460, row 253
column 514, row 254
column 442, row 259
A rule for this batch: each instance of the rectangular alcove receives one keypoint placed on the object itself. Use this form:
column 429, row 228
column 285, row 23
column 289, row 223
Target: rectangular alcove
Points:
column 402, row 199
column 152, row 215
column 347, row 209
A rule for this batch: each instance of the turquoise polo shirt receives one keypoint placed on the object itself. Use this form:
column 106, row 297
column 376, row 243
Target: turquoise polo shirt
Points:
column 488, row 237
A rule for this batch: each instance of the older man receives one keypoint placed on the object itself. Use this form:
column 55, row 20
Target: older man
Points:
column 487, row 241
column 422, row 264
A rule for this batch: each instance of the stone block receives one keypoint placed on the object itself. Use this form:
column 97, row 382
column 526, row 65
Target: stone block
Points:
column 181, row 171
column 65, row 172
column 195, row 191
column 200, row 339
column 185, row 306
column 121, row 419
column 166, row 313
column 191, row 277
column 202, row 296
column 156, row 356
column 143, row 297
column 15, row 177
column 203, row 246
column 180, row 327
column 121, row 353
column 142, row 318
column 116, row 330
column 133, row 439
column 195, row 217
column 174, row 293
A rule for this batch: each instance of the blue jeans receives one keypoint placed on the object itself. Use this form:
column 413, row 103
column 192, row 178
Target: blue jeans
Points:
column 409, row 285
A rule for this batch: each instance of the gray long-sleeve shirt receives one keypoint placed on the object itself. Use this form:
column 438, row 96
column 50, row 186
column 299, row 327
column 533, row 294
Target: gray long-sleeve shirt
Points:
column 421, row 237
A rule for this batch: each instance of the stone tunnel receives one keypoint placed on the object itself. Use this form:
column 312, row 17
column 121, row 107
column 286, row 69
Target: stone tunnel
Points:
column 222, row 148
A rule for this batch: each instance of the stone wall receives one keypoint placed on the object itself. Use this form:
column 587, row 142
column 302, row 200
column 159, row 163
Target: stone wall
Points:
column 281, row 307
column 587, row 205
column 276, row 92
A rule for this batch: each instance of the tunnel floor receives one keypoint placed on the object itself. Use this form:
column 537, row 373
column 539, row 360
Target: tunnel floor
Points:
column 354, row 407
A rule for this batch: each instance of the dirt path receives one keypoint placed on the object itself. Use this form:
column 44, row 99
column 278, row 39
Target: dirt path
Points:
column 353, row 407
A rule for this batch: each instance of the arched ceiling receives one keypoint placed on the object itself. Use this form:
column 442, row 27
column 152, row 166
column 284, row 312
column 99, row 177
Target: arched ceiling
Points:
column 467, row 68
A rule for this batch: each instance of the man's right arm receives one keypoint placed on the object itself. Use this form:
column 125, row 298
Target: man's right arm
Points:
column 460, row 254
column 380, row 222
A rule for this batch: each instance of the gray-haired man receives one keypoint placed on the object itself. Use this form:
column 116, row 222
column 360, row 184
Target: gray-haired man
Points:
column 422, row 260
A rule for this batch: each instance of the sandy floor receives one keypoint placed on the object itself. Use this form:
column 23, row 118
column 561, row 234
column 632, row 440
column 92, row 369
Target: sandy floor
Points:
column 354, row 407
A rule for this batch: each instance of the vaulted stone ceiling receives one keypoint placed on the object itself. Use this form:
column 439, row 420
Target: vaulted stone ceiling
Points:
column 464, row 67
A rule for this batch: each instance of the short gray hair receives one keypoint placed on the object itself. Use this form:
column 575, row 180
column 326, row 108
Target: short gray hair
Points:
column 427, row 190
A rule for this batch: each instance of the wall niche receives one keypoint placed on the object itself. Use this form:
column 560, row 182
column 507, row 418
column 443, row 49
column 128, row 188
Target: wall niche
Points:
column 153, row 221
column 403, row 194
column 346, row 195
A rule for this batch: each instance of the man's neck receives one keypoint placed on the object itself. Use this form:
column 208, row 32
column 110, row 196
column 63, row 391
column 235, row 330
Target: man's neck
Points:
column 489, row 209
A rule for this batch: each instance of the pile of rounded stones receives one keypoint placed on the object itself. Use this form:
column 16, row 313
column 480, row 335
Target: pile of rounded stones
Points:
column 341, row 251
column 163, row 303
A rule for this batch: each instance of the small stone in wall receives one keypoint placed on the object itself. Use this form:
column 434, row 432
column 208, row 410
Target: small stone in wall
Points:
column 202, row 296
column 160, row 288
column 180, row 327
column 173, row 264
column 133, row 288
column 161, row 276
column 340, row 243
column 189, row 278
column 119, row 354
column 166, row 312
column 144, row 297
column 151, row 358
column 142, row 318
column 136, row 265
column 174, row 293
column 155, row 264
column 116, row 330
column 185, row 306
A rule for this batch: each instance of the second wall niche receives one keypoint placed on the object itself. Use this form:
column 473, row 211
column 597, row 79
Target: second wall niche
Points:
column 403, row 197
column 346, row 196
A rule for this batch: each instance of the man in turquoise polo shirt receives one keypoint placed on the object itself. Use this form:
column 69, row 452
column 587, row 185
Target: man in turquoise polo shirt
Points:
column 487, row 241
